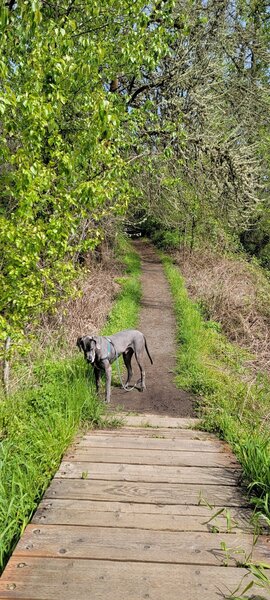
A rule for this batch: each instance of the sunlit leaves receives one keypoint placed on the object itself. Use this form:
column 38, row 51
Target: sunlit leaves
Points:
column 66, row 139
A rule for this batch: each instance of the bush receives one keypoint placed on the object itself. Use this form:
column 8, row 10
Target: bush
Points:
column 166, row 240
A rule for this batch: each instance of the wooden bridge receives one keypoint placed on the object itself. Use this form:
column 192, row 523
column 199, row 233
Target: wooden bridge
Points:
column 131, row 515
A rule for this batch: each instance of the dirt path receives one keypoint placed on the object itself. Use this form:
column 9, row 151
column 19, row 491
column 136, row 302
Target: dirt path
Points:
column 157, row 322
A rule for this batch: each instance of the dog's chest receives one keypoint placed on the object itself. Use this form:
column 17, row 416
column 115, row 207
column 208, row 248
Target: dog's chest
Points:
column 98, row 363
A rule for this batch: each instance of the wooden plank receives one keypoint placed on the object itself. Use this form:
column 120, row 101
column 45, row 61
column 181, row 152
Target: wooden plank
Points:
column 166, row 474
column 156, row 420
column 110, row 441
column 138, row 516
column 144, row 429
column 155, row 509
column 152, row 457
column 152, row 432
column 107, row 543
column 65, row 579
column 161, row 493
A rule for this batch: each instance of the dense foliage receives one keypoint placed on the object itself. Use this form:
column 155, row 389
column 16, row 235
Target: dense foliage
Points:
column 159, row 108
column 67, row 139
column 209, row 169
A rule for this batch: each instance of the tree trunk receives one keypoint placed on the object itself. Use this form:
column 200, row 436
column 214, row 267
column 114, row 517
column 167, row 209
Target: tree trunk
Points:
column 6, row 366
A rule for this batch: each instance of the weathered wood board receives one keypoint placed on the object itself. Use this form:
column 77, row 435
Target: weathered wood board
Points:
column 159, row 493
column 147, row 473
column 155, row 432
column 140, row 545
column 180, row 517
column 153, row 457
column 141, row 514
column 66, row 579
column 125, row 442
column 154, row 420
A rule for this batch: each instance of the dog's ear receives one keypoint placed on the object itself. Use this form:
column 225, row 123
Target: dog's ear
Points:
column 97, row 340
column 80, row 343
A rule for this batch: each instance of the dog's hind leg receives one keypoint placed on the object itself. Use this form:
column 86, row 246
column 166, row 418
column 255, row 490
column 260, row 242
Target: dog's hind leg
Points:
column 127, row 356
column 141, row 367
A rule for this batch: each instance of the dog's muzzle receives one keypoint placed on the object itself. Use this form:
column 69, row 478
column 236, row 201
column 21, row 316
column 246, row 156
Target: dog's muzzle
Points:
column 90, row 358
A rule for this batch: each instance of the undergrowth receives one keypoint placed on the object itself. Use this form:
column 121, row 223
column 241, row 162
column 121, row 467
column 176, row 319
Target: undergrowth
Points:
column 232, row 404
column 38, row 422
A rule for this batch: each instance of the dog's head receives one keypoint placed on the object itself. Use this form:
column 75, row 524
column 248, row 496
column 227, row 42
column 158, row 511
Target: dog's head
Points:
column 89, row 345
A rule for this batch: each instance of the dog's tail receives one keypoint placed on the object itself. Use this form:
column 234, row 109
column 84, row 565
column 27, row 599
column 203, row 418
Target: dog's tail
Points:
column 147, row 351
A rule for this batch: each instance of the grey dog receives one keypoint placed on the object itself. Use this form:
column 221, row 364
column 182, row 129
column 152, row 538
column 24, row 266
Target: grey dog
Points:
column 101, row 351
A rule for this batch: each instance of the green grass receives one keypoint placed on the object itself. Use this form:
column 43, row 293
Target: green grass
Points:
column 39, row 421
column 125, row 312
column 215, row 370
column 37, row 425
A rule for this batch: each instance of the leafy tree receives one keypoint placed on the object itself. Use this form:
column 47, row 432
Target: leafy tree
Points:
column 67, row 138
column 158, row 109
column 209, row 143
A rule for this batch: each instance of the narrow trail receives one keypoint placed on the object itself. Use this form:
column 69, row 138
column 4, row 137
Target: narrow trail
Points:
column 157, row 322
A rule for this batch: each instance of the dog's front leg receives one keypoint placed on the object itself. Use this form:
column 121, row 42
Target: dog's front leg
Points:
column 108, row 373
column 97, row 373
